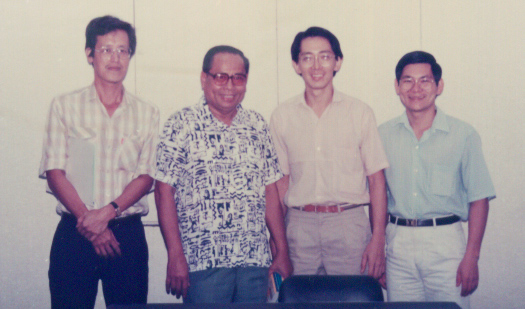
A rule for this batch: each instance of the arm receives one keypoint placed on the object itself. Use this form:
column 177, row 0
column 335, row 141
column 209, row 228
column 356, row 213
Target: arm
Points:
column 105, row 244
column 274, row 220
column 93, row 223
column 282, row 188
column 177, row 278
column 374, row 254
column 65, row 192
column 468, row 273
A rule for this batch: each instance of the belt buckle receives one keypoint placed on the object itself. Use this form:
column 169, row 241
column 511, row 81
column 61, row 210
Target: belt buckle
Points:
column 411, row 222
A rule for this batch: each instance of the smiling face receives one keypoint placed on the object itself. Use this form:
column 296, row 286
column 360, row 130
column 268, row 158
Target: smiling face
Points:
column 223, row 100
column 110, row 68
column 317, row 63
column 417, row 89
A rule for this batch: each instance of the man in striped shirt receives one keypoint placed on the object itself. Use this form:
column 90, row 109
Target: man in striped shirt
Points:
column 98, row 152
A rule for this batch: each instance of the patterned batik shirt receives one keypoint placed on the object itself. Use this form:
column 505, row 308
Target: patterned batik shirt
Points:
column 220, row 173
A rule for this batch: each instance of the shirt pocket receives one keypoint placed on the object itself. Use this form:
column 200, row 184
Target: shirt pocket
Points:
column 347, row 172
column 129, row 152
column 442, row 180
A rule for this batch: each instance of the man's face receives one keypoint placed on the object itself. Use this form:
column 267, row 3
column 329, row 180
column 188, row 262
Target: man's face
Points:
column 417, row 89
column 223, row 99
column 317, row 63
column 110, row 67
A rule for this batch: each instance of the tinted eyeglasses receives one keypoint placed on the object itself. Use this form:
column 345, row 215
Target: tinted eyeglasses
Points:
column 221, row 79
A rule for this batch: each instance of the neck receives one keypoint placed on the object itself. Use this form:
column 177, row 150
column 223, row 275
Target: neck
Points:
column 319, row 99
column 421, row 121
column 225, row 117
column 110, row 95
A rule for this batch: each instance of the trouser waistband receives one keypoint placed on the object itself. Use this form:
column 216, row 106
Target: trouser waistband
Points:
column 328, row 209
column 118, row 221
column 424, row 222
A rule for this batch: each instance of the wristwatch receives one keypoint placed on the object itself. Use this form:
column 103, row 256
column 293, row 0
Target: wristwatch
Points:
column 117, row 209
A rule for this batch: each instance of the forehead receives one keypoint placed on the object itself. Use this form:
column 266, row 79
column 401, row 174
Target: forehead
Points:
column 117, row 37
column 417, row 70
column 315, row 44
column 227, row 63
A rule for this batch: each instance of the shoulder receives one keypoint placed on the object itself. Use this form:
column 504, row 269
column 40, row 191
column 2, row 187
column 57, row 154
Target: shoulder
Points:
column 354, row 104
column 141, row 104
column 289, row 105
column 186, row 114
column 253, row 118
column 76, row 96
column 460, row 126
column 389, row 126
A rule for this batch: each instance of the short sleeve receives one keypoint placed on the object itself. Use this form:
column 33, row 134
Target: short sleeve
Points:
column 273, row 169
column 372, row 151
column 475, row 174
column 55, row 140
column 280, row 146
column 172, row 151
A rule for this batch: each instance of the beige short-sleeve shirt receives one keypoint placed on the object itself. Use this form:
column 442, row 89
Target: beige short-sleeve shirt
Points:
column 328, row 158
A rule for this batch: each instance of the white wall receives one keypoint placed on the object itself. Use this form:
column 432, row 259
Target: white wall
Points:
column 480, row 45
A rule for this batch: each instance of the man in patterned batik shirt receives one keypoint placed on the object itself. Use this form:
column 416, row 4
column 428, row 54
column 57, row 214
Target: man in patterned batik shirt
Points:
column 216, row 193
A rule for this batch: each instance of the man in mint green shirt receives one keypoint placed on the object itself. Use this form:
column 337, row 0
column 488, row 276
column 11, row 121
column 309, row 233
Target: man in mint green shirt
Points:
column 436, row 179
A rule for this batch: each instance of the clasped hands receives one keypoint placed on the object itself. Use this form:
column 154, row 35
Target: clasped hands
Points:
column 93, row 225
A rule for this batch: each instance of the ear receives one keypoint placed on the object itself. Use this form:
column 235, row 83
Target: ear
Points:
column 296, row 68
column 89, row 58
column 441, row 85
column 396, row 85
column 338, row 64
column 203, row 79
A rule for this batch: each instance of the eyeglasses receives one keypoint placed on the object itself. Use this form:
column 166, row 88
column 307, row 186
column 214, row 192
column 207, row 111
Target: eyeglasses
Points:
column 424, row 82
column 106, row 52
column 221, row 79
column 325, row 58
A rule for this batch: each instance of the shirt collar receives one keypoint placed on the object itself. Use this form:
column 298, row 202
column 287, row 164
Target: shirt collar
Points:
column 336, row 98
column 208, row 116
column 440, row 121
column 93, row 96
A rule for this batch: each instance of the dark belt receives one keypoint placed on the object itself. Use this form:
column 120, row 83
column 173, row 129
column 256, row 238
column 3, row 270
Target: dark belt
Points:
column 328, row 209
column 114, row 222
column 424, row 222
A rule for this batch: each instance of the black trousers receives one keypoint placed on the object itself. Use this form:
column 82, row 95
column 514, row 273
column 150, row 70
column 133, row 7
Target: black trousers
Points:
column 75, row 268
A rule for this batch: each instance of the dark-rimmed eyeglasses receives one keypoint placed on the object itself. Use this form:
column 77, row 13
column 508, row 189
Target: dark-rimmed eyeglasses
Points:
column 221, row 79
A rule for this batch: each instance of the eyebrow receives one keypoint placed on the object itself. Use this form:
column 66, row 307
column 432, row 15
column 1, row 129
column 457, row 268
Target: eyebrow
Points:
column 321, row 52
column 408, row 76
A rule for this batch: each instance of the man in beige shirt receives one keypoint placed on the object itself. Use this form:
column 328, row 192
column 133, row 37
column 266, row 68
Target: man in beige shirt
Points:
column 333, row 160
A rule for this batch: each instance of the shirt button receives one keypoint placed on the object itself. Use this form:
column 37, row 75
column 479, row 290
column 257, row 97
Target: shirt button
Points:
column 318, row 148
column 417, row 147
column 415, row 194
column 415, row 170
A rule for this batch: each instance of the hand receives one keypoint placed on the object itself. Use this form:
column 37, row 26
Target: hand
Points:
column 374, row 256
column 94, row 222
column 281, row 264
column 177, row 278
column 382, row 281
column 106, row 245
column 468, row 275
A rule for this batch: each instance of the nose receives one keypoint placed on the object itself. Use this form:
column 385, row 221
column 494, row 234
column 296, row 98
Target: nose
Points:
column 316, row 62
column 229, row 83
column 418, row 85
column 114, row 56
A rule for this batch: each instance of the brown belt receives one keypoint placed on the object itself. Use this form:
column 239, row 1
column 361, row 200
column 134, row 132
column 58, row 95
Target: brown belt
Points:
column 328, row 209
